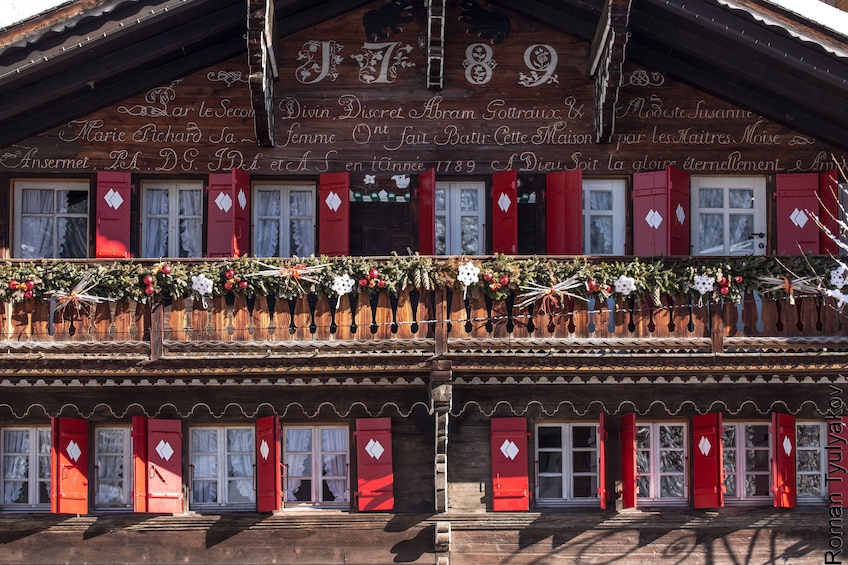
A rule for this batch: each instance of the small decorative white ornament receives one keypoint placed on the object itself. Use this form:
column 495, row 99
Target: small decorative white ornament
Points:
column 624, row 285
column 370, row 179
column 839, row 276
column 341, row 286
column 467, row 274
column 704, row 284
column 202, row 286
column 842, row 299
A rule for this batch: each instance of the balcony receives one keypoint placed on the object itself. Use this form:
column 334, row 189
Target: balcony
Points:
column 422, row 307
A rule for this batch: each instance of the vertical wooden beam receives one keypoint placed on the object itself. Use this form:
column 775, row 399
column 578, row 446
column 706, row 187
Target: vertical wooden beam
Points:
column 717, row 327
column 441, row 395
column 157, row 331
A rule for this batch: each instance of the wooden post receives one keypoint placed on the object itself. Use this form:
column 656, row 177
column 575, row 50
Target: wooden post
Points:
column 717, row 327
column 157, row 331
column 441, row 333
column 441, row 395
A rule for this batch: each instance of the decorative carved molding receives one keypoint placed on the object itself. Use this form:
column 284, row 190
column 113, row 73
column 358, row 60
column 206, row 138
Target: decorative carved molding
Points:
column 262, row 63
column 606, row 60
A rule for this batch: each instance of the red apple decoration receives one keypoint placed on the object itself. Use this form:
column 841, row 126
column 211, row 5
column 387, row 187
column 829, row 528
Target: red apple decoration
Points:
column 228, row 285
column 148, row 290
column 723, row 281
column 738, row 279
column 373, row 274
column 242, row 284
column 725, row 290
column 147, row 280
column 363, row 282
column 229, row 274
column 28, row 294
column 30, row 285
column 381, row 283
column 504, row 280
column 487, row 277
column 166, row 269
column 13, row 284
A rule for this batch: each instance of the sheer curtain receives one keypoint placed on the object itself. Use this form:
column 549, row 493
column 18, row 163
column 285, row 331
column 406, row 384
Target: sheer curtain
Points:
column 301, row 214
column 335, row 464
column 240, row 455
column 110, row 467
column 204, row 461
column 15, row 466
column 191, row 214
column 156, row 223
column 298, row 452
column 267, row 236
column 36, row 224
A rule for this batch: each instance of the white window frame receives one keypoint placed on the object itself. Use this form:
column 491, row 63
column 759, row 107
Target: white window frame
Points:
column 315, row 473
column 55, row 186
column 223, row 477
column 820, row 474
column 33, row 480
column 741, row 473
column 617, row 188
column 125, row 476
column 567, row 452
column 174, row 247
column 655, row 474
column 284, row 190
column 452, row 217
column 756, row 184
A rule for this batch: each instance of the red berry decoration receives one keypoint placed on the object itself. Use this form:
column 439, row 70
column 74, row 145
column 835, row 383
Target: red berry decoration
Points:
column 166, row 269
column 242, row 284
column 230, row 274
column 381, row 283
column 228, row 285
column 723, row 281
column 147, row 280
column 725, row 290
column 30, row 285
column 363, row 282
column 373, row 274
column 148, row 290
column 487, row 277
column 28, row 294
column 13, row 284
column 504, row 280
column 738, row 279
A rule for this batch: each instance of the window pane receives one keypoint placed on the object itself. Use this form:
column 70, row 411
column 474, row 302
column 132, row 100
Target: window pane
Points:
column 711, row 198
column 73, row 237
column 583, row 436
column 643, row 437
column 741, row 230
column 550, row 437
column 671, row 436
column 600, row 200
column 585, row 487
column 601, row 228
column 644, row 484
column 643, row 462
column 550, row 462
column 585, row 461
column 757, row 436
column 441, row 199
column 550, row 487
column 470, row 235
column 671, row 486
column 808, row 435
column 671, row 461
column 757, row 460
column 469, row 200
column 757, row 485
column 334, row 440
column 809, row 460
column 156, row 202
column 711, row 234
column 72, row 201
column 809, row 485
column 742, row 198
column 441, row 235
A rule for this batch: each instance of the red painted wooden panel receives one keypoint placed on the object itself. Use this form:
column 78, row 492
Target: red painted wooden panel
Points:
column 505, row 212
column 69, row 492
column 375, row 482
column 783, row 460
column 797, row 200
column 334, row 214
column 112, row 237
column 678, row 211
column 707, row 461
column 139, row 446
column 829, row 210
column 427, row 212
column 629, row 488
column 241, row 192
column 220, row 216
column 602, row 461
column 269, row 486
column 510, row 482
column 164, row 466
column 564, row 213
column 661, row 207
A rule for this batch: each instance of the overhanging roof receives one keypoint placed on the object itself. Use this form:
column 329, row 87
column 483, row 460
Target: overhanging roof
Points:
column 93, row 53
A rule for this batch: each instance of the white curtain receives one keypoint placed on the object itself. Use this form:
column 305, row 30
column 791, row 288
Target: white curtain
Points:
column 191, row 236
column 36, row 224
column 267, row 236
column 204, row 460
column 298, row 452
column 15, row 466
column 302, row 214
column 335, row 465
column 240, row 453
column 156, row 223
column 110, row 467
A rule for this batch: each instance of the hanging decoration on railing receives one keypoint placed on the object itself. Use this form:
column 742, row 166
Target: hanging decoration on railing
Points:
column 203, row 287
column 79, row 298
column 342, row 285
column 467, row 274
column 550, row 297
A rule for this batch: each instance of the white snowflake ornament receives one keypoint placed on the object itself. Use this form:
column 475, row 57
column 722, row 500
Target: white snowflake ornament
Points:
column 837, row 295
column 467, row 274
column 839, row 276
column 202, row 286
column 704, row 284
column 624, row 285
column 341, row 286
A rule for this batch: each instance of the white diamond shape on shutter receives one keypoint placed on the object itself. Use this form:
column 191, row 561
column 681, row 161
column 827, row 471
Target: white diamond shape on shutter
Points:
column 374, row 449
column 654, row 219
column 333, row 201
column 681, row 213
column 242, row 199
column 798, row 218
column 224, row 202
column 787, row 446
column 509, row 449
column 704, row 445
column 73, row 450
column 164, row 450
column 264, row 449
column 504, row 202
column 113, row 198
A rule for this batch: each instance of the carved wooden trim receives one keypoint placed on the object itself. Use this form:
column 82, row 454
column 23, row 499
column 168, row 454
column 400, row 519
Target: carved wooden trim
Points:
column 262, row 63
column 606, row 59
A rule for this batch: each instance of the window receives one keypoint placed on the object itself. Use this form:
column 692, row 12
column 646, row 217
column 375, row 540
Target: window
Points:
column 603, row 217
column 728, row 215
column 459, row 218
column 284, row 220
column 747, row 461
column 316, row 462
column 567, row 462
column 25, row 456
column 52, row 220
column 222, row 465
column 661, row 462
column 172, row 220
column 811, row 461
column 113, row 468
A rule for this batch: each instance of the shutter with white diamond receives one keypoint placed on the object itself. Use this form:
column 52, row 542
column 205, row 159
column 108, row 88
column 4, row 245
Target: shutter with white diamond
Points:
column 629, row 472
column 510, row 480
column 334, row 214
column 163, row 469
column 375, row 480
column 661, row 213
column 829, row 211
column 505, row 212
column 112, row 229
column 228, row 214
column 564, row 213
column 69, row 459
column 427, row 212
column 269, row 486
column 797, row 203
column 783, row 473
column 707, row 461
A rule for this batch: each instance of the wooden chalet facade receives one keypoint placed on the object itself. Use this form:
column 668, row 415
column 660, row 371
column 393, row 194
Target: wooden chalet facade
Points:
column 424, row 282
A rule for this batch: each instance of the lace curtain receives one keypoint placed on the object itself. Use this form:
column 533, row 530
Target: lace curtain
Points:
column 157, row 218
column 15, row 466
column 240, row 454
column 205, row 470
column 298, row 453
column 300, row 231
column 335, row 464
column 110, row 467
column 45, row 211
column 204, row 463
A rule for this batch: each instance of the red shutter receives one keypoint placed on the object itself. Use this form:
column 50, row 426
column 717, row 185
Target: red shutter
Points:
column 564, row 213
column 510, row 482
column 829, row 211
column 334, row 214
column 139, row 446
column 505, row 212
column 228, row 214
column 602, row 461
column 783, row 460
column 69, row 481
column 628, row 461
column 112, row 237
column 375, row 483
column 797, row 194
column 269, row 487
column 707, row 461
column 427, row 212
column 661, row 213
column 837, row 434
column 164, row 466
